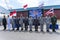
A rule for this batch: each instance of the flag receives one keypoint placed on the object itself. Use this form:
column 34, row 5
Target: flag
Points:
column 35, row 12
column 25, row 6
column 13, row 13
column 50, row 12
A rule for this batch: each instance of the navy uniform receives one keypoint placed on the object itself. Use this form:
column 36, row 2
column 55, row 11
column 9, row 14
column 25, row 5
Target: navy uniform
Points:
column 9, row 22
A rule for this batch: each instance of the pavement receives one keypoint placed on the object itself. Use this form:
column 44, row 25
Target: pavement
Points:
column 23, row 35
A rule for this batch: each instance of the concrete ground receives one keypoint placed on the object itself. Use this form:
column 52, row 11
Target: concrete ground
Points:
column 18, row 35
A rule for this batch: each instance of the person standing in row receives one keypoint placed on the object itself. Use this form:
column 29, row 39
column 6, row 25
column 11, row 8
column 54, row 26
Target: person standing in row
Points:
column 53, row 21
column 17, row 23
column 21, row 22
column 47, row 21
column 4, row 22
column 30, row 23
column 42, row 20
column 13, row 23
column 9, row 22
column 36, row 23
column 26, row 23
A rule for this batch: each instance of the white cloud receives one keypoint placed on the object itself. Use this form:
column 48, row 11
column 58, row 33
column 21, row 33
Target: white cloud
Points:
column 31, row 3
column 50, row 2
column 11, row 6
column 3, row 4
column 7, row 1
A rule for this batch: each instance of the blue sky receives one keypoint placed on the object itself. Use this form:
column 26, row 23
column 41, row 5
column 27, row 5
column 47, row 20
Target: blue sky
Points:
column 14, row 4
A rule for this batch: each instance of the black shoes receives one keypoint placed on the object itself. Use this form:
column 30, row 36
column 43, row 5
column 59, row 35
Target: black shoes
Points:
column 36, row 30
column 47, row 31
column 30, row 30
column 21, row 29
column 17, row 29
column 12, row 29
column 42, row 31
column 54, row 31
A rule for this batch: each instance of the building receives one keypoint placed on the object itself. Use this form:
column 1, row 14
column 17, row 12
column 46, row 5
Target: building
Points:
column 45, row 9
column 56, row 10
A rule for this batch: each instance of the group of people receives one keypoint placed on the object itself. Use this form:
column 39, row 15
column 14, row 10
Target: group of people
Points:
column 18, row 22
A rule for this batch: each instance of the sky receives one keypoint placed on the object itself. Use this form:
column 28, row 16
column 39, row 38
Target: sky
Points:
column 15, row 4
